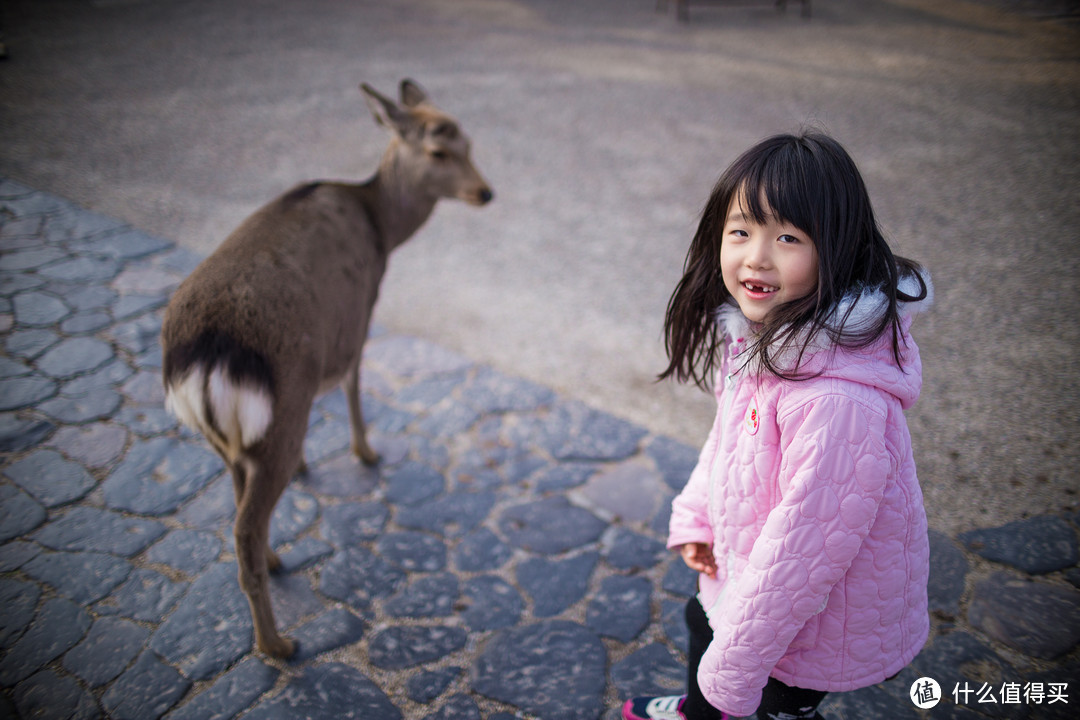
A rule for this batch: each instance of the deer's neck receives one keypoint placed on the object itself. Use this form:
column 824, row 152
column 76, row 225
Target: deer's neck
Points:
column 401, row 204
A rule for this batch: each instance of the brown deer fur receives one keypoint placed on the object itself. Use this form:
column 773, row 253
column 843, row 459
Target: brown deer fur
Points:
column 279, row 313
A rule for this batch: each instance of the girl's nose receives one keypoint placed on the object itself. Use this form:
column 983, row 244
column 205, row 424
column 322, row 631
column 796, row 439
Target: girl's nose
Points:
column 757, row 253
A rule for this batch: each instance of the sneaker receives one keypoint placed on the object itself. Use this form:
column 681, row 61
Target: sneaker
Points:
column 654, row 708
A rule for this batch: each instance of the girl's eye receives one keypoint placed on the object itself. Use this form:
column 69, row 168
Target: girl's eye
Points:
column 788, row 239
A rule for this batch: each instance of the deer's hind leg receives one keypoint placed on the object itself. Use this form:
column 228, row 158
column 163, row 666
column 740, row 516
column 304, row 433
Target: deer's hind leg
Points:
column 239, row 471
column 268, row 467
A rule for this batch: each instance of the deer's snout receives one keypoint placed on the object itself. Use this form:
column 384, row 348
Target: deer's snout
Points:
column 478, row 196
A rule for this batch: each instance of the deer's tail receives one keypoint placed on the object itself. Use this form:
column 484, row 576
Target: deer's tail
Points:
column 221, row 389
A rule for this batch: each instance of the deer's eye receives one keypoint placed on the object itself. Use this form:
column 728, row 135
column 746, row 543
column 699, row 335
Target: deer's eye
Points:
column 439, row 154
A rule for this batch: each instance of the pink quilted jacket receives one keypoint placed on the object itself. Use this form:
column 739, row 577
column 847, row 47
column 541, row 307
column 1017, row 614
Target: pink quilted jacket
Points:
column 807, row 492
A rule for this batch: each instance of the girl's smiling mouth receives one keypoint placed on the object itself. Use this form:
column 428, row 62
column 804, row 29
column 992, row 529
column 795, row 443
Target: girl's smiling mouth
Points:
column 757, row 288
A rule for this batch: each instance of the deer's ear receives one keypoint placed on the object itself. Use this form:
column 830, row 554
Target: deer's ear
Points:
column 386, row 111
column 411, row 93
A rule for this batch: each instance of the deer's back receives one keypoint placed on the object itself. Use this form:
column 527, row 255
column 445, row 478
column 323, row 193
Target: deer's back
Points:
column 297, row 277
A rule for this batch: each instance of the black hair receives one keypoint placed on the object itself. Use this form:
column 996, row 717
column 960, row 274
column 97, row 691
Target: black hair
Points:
column 811, row 182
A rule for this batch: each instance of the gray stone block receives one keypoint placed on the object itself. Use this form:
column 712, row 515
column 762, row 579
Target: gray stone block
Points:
column 430, row 596
column 680, row 579
column 16, row 553
column 82, row 576
column 25, row 391
column 158, row 475
column 230, row 694
column 294, row 513
column 87, row 528
column 490, row 603
column 331, row 630
column 405, row 646
column 481, row 550
column 412, row 482
column 35, row 308
column 1036, row 618
column 620, row 609
column 348, row 524
column 57, row 627
column 453, row 514
column 146, row 595
column 74, row 356
column 457, row 707
column 948, row 572
column 303, row 553
column 94, row 445
column 1037, row 545
column 30, row 343
column 82, row 269
column 47, row 695
column 98, row 404
column 29, row 258
column 550, row 526
column 355, row 576
column 19, row 600
column 146, row 690
column 428, row 685
column 19, row 513
column 674, row 460
column 210, row 628
column 554, row 669
column 555, row 585
column 188, row 551
column 652, row 670
column 84, row 323
column 146, row 421
column 107, row 649
column 491, row 392
column 564, row 476
column 632, row 551
column 413, row 551
column 324, row 691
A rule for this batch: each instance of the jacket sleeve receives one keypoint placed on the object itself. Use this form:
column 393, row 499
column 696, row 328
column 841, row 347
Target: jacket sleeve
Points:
column 833, row 470
column 690, row 509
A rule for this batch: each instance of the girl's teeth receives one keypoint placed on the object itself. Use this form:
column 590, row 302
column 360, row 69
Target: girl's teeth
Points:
column 758, row 288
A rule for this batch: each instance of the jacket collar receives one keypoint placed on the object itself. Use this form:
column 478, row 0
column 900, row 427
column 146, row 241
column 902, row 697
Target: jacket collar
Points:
column 856, row 312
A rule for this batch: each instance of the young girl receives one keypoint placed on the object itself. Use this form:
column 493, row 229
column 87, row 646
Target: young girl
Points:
column 803, row 515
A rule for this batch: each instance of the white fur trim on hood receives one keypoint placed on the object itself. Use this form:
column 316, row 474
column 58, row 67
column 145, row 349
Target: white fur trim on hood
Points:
column 866, row 308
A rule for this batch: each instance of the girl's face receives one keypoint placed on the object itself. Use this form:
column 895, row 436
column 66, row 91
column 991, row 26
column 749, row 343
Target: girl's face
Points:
column 765, row 265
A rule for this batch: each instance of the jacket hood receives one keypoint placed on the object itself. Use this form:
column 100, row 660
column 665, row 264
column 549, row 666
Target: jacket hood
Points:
column 856, row 312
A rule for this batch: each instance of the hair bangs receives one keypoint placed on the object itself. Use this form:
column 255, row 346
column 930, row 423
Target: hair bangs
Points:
column 778, row 185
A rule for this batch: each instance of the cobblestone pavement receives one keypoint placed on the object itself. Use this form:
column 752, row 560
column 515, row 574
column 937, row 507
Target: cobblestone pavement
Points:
column 506, row 559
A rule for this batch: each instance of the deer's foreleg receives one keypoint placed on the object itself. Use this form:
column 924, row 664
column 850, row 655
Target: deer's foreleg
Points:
column 360, row 445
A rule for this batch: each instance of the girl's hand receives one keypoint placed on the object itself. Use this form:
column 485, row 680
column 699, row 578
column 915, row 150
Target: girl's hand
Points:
column 699, row 557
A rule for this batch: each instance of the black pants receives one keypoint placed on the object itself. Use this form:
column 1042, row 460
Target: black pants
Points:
column 777, row 697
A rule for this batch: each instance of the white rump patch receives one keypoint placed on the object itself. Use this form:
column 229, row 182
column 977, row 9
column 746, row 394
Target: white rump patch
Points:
column 185, row 401
column 241, row 413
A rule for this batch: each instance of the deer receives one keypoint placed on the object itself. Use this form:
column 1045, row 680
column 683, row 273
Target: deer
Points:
column 279, row 312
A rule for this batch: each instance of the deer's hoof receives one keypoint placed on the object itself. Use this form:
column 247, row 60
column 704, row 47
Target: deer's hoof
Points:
column 279, row 647
column 366, row 455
